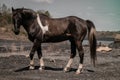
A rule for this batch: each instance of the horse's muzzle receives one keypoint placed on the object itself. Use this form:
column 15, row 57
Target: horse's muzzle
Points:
column 16, row 32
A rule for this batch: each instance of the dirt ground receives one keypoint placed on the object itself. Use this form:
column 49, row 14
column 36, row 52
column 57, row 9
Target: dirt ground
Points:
column 15, row 66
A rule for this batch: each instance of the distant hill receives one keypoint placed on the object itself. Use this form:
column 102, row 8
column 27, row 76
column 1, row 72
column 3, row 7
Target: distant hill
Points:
column 107, row 35
column 7, row 33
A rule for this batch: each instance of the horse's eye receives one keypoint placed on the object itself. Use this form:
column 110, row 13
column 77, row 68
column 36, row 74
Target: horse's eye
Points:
column 19, row 15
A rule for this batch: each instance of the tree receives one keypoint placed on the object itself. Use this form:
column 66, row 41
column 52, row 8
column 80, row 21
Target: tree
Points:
column 5, row 16
column 44, row 12
column 4, row 8
column 47, row 13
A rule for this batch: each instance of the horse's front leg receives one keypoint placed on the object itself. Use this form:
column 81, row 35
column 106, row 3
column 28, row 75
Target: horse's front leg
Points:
column 34, row 48
column 31, row 58
column 39, row 52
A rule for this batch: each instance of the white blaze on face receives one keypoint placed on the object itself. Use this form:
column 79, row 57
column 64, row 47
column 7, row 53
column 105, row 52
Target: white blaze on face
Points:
column 44, row 28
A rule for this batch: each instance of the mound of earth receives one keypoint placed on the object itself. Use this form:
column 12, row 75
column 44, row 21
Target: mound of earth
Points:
column 15, row 67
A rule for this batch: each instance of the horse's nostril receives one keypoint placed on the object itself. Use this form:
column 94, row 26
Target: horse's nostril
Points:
column 16, row 32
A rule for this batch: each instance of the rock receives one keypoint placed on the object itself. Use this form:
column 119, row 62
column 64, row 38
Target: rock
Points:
column 105, row 49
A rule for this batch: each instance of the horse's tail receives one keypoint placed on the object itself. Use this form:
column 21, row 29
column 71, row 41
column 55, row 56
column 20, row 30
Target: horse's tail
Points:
column 92, row 40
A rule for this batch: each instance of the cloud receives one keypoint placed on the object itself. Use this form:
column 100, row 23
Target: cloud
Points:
column 90, row 8
column 44, row 1
column 111, row 14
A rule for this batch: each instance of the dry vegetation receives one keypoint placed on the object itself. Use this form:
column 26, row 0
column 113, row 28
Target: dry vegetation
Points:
column 6, row 25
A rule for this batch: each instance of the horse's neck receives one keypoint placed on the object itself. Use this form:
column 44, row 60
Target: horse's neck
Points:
column 28, row 24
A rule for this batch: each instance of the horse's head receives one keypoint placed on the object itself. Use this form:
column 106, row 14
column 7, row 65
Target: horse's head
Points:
column 18, row 15
column 17, row 20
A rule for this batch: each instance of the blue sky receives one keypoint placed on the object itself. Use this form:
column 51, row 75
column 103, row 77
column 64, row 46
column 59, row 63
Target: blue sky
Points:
column 104, row 13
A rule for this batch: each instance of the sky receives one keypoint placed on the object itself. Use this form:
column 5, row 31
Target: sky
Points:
column 104, row 13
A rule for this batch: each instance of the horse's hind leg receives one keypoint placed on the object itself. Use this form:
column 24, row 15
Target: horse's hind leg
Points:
column 73, row 54
column 81, row 55
column 39, row 52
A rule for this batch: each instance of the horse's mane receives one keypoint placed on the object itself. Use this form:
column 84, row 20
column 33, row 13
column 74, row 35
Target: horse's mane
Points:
column 25, row 9
column 44, row 15
column 31, row 11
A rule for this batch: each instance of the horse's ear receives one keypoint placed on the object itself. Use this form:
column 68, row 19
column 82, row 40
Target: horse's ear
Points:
column 22, row 7
column 12, row 9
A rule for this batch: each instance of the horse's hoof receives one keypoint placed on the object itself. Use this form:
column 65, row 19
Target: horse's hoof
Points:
column 42, row 68
column 31, row 67
column 67, row 69
column 79, row 71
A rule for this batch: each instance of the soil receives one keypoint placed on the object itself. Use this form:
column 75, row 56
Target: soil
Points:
column 6, row 33
column 15, row 66
column 14, row 62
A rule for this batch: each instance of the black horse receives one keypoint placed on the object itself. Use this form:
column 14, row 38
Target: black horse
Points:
column 43, row 29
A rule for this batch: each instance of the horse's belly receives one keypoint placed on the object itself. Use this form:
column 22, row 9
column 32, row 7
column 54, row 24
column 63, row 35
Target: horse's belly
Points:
column 56, row 38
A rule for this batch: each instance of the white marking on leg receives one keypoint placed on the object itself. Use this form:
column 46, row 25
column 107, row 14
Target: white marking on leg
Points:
column 68, row 64
column 31, row 64
column 41, row 63
column 44, row 28
column 79, row 69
